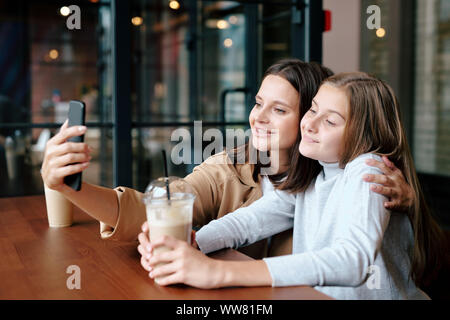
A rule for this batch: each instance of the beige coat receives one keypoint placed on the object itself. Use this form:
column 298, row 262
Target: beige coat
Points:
column 220, row 188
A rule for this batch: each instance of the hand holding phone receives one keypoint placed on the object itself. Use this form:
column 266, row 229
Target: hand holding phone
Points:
column 76, row 118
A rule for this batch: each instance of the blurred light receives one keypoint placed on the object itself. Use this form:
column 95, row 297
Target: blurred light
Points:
column 222, row 24
column 137, row 21
column 65, row 11
column 93, row 1
column 380, row 32
column 211, row 23
column 175, row 5
column 233, row 19
column 53, row 54
column 160, row 90
column 228, row 42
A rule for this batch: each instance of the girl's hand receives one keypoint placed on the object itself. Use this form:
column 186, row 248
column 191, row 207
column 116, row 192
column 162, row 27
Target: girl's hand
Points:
column 184, row 264
column 145, row 249
column 62, row 158
column 144, row 246
column 392, row 184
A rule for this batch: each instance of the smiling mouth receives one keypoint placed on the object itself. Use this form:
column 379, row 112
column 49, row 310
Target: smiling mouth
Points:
column 309, row 140
column 262, row 132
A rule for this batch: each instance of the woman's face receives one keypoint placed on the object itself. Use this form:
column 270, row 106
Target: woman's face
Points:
column 322, row 127
column 275, row 117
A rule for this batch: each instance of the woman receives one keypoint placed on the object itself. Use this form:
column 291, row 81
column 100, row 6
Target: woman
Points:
column 220, row 186
column 342, row 232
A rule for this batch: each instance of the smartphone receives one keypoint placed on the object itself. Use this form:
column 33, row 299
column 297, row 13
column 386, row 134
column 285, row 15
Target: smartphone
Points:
column 77, row 110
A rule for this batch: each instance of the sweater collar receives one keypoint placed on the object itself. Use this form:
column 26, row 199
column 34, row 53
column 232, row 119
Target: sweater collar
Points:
column 330, row 169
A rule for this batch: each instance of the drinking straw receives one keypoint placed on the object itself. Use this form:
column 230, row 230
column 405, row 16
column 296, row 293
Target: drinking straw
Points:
column 166, row 174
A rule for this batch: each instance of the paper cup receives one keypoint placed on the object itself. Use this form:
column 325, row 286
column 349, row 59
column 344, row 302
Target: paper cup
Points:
column 59, row 209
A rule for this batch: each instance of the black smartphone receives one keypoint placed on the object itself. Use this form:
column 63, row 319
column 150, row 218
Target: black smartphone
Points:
column 77, row 110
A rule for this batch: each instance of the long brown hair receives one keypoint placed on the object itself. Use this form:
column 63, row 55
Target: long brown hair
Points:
column 374, row 125
column 305, row 77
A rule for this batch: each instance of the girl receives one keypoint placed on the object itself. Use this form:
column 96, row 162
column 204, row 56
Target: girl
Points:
column 220, row 185
column 342, row 232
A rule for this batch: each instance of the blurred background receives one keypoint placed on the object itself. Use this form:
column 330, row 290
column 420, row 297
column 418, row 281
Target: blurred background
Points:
column 147, row 67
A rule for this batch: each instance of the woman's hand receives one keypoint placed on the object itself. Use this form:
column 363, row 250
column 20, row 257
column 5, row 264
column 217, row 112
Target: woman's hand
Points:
column 187, row 265
column 144, row 246
column 63, row 158
column 391, row 184
column 183, row 264
column 145, row 249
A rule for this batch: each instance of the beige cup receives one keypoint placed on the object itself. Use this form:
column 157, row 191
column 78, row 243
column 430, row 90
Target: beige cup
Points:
column 59, row 209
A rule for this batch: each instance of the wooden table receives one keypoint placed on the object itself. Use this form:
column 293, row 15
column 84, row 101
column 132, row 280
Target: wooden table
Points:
column 34, row 260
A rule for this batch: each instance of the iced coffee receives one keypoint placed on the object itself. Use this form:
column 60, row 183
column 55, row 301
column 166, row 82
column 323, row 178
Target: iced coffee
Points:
column 169, row 212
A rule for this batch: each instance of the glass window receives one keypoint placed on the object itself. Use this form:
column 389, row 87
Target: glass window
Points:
column 223, row 52
column 432, row 87
column 45, row 65
column 160, row 62
column 190, row 62
column 276, row 35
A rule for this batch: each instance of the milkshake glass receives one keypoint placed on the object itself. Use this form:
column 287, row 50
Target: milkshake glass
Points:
column 169, row 203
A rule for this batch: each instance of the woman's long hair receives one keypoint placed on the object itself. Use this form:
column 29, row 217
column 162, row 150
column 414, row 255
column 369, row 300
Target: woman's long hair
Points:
column 305, row 77
column 374, row 125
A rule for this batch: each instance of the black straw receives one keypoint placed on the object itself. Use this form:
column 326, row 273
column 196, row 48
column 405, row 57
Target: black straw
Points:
column 166, row 174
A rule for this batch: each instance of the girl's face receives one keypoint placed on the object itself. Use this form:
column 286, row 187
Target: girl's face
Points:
column 274, row 118
column 322, row 127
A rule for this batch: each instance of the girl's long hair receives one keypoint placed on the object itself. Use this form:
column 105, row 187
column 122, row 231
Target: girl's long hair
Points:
column 305, row 77
column 374, row 125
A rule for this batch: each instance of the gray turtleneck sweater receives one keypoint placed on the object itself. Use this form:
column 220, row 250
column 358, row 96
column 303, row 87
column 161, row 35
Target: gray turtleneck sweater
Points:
column 345, row 243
